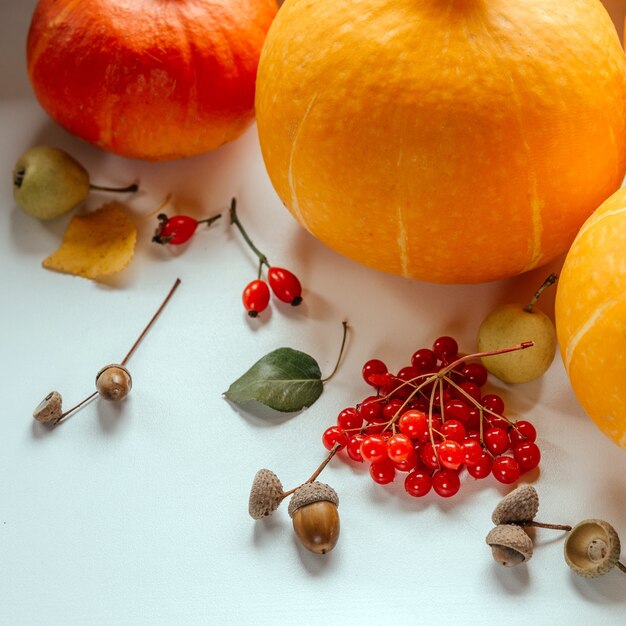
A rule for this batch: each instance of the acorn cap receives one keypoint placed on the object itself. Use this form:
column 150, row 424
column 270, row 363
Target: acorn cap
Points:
column 49, row 409
column 510, row 545
column 266, row 494
column 312, row 492
column 521, row 505
column 592, row 548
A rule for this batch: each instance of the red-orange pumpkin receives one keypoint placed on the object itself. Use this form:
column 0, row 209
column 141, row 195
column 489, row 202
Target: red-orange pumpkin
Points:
column 151, row 79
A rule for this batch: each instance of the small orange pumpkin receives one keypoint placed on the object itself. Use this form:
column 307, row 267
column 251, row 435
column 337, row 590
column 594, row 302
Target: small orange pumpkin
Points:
column 145, row 78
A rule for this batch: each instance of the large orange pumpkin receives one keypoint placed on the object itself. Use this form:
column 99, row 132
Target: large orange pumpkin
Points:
column 152, row 79
column 449, row 141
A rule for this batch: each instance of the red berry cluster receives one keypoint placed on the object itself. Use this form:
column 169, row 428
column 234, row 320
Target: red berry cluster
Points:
column 431, row 420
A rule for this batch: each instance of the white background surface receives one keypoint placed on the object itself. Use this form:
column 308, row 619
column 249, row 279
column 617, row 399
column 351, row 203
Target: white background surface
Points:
column 137, row 513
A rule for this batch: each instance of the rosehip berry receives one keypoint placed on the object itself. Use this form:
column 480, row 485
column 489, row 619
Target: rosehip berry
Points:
column 522, row 431
column 285, row 285
column 374, row 448
column 482, row 468
column 349, row 419
column 418, row 483
column 475, row 373
column 178, row 229
column 414, row 424
column 497, row 440
column 506, row 470
column 424, row 360
column 382, row 472
column 446, row 482
column 527, row 455
column 256, row 297
column 354, row 447
column 453, row 430
column 399, row 448
column 450, row 454
column 332, row 436
column 373, row 367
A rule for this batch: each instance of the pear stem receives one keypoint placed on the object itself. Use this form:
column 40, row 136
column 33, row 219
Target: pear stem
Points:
column 620, row 566
column 546, row 283
column 130, row 189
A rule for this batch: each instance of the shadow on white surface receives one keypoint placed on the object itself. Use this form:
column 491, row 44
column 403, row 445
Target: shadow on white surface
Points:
column 512, row 581
column 607, row 589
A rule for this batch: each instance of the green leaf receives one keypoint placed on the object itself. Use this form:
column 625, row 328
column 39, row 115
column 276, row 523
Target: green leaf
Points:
column 286, row 380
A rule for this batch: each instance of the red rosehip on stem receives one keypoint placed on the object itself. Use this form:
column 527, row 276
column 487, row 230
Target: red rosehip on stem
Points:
column 179, row 228
column 285, row 285
column 256, row 297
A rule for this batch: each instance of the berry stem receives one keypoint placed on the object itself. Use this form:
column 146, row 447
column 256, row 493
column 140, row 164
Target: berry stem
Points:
column 209, row 220
column 318, row 471
column 129, row 189
column 234, row 219
column 130, row 352
column 480, row 355
column 343, row 343
column 546, row 283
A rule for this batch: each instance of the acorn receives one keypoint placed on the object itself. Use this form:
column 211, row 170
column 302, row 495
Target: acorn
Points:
column 521, row 505
column 592, row 548
column 49, row 409
column 266, row 494
column 313, row 509
column 114, row 382
column 510, row 545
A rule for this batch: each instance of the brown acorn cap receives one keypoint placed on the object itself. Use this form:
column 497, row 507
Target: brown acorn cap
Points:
column 312, row 492
column 510, row 545
column 266, row 494
column 592, row 548
column 521, row 505
column 49, row 409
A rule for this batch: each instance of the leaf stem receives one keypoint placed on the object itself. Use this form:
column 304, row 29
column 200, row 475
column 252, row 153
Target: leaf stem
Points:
column 546, row 283
column 234, row 219
column 343, row 343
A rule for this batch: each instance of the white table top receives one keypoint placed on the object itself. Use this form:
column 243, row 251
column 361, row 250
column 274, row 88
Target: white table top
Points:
column 137, row 513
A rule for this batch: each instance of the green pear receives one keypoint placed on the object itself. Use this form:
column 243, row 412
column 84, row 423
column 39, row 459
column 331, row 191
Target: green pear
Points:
column 511, row 324
column 48, row 182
